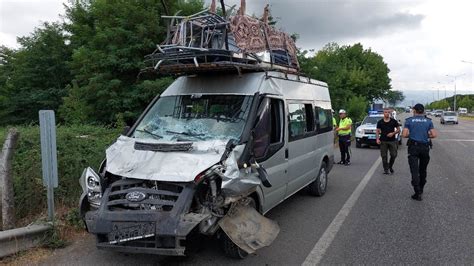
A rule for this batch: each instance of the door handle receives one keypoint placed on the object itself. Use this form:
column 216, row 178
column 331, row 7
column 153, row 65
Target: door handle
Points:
column 286, row 153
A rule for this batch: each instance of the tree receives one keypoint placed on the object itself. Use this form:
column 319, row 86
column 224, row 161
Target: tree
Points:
column 466, row 101
column 110, row 40
column 357, row 107
column 349, row 71
column 6, row 70
column 394, row 97
column 36, row 76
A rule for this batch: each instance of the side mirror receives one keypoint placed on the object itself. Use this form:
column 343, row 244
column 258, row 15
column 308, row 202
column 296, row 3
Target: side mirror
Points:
column 261, row 131
column 125, row 130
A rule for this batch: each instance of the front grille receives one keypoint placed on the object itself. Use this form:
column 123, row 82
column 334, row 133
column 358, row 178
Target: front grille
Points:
column 369, row 131
column 158, row 196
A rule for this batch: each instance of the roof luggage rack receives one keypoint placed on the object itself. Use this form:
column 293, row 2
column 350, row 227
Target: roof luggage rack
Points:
column 207, row 42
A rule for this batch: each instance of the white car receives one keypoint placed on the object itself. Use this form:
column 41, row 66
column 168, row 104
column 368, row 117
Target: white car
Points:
column 449, row 117
column 366, row 132
column 462, row 111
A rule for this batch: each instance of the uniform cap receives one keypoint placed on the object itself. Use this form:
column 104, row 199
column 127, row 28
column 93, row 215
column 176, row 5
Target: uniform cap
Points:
column 419, row 107
column 342, row 111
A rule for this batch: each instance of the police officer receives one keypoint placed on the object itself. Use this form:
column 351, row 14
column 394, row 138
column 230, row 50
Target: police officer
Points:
column 344, row 133
column 418, row 129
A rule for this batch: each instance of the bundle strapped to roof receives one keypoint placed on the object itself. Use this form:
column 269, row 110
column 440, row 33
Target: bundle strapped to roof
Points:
column 208, row 42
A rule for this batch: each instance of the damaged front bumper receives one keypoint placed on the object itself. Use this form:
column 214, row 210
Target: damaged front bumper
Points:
column 132, row 218
column 158, row 220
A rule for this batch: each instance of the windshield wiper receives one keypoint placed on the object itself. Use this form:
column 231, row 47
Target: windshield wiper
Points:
column 185, row 133
column 150, row 133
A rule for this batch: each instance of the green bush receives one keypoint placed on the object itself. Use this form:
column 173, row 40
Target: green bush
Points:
column 77, row 147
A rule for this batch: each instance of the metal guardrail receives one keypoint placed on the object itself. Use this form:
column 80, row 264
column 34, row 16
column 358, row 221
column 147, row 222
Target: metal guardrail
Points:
column 19, row 239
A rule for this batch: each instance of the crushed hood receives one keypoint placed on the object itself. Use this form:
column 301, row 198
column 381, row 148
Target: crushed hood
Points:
column 123, row 159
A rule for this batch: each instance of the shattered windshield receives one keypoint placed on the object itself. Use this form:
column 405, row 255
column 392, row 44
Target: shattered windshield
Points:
column 195, row 118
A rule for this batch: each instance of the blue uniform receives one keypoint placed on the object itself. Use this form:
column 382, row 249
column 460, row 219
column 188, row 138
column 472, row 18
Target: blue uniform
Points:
column 418, row 151
column 419, row 126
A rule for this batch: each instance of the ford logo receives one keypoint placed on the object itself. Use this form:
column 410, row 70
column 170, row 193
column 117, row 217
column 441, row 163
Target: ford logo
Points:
column 135, row 196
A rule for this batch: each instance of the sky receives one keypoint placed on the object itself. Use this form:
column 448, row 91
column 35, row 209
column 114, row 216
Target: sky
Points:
column 421, row 41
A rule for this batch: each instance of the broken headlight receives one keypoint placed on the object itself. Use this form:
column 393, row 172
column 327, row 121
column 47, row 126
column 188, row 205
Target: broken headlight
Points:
column 91, row 185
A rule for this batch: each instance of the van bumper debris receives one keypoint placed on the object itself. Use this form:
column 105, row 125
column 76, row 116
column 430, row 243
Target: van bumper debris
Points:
column 247, row 228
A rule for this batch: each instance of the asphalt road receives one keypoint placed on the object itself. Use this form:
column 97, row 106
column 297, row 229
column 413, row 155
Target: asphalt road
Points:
column 364, row 218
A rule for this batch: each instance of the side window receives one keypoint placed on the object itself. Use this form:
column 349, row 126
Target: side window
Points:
column 301, row 119
column 297, row 117
column 309, row 117
column 325, row 120
column 268, row 131
column 276, row 132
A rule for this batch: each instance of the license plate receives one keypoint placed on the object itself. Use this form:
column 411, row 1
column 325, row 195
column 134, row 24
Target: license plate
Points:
column 123, row 232
column 371, row 137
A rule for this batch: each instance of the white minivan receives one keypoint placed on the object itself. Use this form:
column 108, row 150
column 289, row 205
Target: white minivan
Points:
column 211, row 155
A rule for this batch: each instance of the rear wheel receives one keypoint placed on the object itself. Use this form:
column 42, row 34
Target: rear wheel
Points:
column 318, row 187
column 230, row 249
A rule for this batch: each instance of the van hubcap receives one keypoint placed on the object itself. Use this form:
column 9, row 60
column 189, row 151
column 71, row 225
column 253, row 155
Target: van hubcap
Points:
column 322, row 179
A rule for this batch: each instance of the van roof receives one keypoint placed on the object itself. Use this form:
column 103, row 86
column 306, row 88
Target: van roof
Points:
column 288, row 85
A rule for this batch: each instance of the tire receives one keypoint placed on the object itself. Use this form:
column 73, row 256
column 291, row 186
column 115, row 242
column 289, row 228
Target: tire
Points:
column 358, row 144
column 319, row 186
column 231, row 250
column 400, row 142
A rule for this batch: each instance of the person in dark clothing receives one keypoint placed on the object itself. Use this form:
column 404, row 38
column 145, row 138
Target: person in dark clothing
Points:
column 419, row 130
column 387, row 129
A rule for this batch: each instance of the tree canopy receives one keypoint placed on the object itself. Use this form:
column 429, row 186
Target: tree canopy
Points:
column 465, row 101
column 87, row 67
column 35, row 76
column 349, row 71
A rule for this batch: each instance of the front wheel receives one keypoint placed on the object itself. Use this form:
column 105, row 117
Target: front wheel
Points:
column 318, row 187
column 358, row 144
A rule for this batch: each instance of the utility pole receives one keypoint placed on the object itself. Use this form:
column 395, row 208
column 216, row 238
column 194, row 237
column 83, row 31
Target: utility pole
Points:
column 472, row 65
column 455, row 77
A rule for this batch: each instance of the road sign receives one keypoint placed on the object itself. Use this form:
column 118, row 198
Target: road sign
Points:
column 48, row 156
column 48, row 148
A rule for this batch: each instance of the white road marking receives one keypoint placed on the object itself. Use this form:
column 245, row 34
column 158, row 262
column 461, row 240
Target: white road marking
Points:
column 449, row 131
column 462, row 144
column 317, row 253
column 469, row 140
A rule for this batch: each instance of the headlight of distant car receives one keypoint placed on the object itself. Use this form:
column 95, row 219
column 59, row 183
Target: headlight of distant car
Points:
column 91, row 184
column 360, row 130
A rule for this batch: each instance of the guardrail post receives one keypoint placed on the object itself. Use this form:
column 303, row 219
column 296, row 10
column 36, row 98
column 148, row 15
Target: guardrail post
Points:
column 6, row 178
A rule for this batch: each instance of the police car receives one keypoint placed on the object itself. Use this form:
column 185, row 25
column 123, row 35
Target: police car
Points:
column 366, row 132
